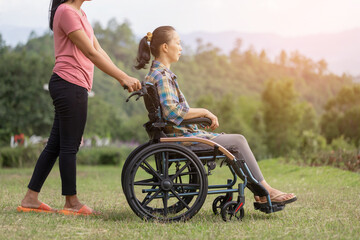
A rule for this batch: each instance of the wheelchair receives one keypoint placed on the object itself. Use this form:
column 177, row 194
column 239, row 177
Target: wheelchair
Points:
column 166, row 178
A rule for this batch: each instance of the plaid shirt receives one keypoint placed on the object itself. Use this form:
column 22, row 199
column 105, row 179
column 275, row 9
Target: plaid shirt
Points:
column 173, row 104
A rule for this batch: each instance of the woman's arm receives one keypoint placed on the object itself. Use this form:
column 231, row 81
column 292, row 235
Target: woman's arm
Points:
column 174, row 109
column 99, row 48
column 103, row 62
column 202, row 112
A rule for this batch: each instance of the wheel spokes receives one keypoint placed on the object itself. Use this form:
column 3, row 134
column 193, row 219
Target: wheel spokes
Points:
column 147, row 182
column 166, row 183
column 152, row 198
column 180, row 171
column 150, row 168
column 180, row 199
column 165, row 202
column 147, row 196
column 165, row 158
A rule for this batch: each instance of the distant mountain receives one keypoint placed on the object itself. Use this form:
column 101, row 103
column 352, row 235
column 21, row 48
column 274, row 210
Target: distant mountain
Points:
column 340, row 50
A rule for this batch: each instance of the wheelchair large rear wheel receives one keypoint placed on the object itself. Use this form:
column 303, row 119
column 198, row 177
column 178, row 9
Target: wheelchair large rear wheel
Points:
column 129, row 159
column 165, row 182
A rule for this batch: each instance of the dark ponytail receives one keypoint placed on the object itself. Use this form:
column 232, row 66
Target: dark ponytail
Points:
column 54, row 4
column 160, row 36
column 143, row 56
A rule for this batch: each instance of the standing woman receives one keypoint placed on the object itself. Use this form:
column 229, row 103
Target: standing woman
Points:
column 76, row 52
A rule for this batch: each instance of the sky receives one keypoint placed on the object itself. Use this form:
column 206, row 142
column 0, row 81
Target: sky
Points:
column 288, row 18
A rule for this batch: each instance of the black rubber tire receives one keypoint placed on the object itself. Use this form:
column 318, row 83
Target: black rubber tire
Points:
column 164, row 185
column 129, row 159
column 228, row 209
column 218, row 203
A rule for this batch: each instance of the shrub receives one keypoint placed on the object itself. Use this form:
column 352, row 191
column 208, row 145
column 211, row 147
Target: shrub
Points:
column 344, row 159
column 313, row 151
column 340, row 144
column 20, row 156
column 103, row 155
column 27, row 156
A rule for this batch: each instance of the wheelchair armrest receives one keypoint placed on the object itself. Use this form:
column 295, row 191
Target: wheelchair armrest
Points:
column 203, row 121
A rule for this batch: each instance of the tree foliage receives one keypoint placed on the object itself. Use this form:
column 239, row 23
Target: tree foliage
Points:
column 24, row 104
column 281, row 116
column 276, row 104
column 342, row 116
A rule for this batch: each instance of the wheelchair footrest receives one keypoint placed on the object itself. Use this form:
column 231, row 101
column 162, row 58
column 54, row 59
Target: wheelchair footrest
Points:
column 264, row 207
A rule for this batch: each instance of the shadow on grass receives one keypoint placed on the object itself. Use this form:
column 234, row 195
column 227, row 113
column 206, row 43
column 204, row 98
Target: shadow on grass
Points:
column 125, row 216
column 262, row 216
column 129, row 216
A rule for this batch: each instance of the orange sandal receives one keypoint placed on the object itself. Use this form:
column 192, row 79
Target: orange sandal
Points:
column 43, row 208
column 84, row 210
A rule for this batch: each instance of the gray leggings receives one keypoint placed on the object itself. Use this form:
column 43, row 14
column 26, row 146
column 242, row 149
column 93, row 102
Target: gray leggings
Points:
column 240, row 148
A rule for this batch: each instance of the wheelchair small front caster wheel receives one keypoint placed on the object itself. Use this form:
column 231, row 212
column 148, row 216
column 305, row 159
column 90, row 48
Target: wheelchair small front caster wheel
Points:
column 228, row 211
column 218, row 203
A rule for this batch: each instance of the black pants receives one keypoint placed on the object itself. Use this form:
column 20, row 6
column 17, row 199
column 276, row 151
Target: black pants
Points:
column 70, row 102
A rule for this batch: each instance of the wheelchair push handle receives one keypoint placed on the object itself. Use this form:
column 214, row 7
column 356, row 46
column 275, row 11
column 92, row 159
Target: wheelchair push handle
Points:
column 138, row 93
column 125, row 87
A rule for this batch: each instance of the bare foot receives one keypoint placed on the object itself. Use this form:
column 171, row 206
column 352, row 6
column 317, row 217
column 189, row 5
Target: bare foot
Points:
column 257, row 198
column 278, row 196
column 72, row 203
column 31, row 200
column 275, row 195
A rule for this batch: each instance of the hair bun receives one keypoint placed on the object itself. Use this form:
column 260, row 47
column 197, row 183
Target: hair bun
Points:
column 149, row 36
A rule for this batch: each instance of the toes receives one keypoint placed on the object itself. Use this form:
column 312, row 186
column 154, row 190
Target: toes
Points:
column 288, row 196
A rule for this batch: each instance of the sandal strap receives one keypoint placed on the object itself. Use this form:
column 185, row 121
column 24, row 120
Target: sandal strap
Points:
column 85, row 210
column 44, row 206
column 280, row 195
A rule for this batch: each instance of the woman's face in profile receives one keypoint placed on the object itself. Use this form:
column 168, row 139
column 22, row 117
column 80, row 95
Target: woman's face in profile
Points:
column 174, row 47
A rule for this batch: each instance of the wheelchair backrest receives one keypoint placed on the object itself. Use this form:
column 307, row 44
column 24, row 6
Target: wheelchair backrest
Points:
column 155, row 126
column 152, row 103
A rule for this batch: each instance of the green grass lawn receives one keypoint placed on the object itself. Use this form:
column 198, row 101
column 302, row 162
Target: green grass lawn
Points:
column 327, row 208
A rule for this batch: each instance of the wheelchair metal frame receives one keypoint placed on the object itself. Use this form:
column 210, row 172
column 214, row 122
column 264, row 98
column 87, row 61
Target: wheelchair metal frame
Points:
column 229, row 209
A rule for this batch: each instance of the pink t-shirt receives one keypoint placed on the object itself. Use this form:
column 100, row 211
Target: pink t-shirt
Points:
column 70, row 63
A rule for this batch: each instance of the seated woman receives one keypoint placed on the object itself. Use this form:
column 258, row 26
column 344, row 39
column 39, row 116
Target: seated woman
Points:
column 164, row 45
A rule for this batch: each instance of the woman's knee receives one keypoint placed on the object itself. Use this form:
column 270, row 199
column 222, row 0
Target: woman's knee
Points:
column 240, row 139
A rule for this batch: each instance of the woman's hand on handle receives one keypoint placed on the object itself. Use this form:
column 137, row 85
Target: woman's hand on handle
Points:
column 132, row 84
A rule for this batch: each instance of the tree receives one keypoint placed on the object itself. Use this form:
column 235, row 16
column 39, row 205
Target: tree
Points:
column 101, row 120
column 281, row 116
column 204, row 71
column 283, row 59
column 25, row 107
column 322, row 66
column 342, row 116
column 3, row 47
